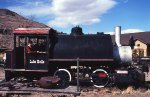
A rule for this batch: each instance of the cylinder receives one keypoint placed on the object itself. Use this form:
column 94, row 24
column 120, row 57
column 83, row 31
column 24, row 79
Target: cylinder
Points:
column 117, row 35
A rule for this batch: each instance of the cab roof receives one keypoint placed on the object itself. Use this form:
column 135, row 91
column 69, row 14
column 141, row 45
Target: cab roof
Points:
column 37, row 31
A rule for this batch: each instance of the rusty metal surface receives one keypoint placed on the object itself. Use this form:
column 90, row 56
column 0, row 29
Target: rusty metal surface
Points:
column 30, row 90
column 32, row 30
column 48, row 82
column 14, row 87
column 24, row 87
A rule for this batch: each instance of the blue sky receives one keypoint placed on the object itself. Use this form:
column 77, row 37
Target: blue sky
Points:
column 92, row 15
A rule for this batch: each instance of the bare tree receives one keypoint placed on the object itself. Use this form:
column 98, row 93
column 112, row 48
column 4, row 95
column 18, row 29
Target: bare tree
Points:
column 31, row 19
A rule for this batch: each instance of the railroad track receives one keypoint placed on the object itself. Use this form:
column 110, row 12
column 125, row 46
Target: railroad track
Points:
column 22, row 87
column 18, row 88
column 26, row 88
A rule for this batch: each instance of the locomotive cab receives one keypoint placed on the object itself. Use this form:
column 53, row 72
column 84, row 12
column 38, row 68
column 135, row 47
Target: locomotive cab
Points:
column 33, row 57
column 26, row 62
column 36, row 58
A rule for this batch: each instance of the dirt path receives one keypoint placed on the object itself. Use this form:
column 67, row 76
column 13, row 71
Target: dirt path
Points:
column 129, row 92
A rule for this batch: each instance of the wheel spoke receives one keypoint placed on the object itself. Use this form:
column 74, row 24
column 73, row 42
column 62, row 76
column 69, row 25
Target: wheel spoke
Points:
column 100, row 78
column 64, row 76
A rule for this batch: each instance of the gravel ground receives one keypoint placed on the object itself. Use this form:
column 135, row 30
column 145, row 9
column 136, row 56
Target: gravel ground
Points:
column 129, row 92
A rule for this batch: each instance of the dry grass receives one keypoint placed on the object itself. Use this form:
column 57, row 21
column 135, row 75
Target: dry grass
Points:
column 129, row 90
column 115, row 92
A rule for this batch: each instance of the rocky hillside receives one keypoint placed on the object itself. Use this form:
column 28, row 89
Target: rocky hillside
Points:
column 8, row 22
column 12, row 20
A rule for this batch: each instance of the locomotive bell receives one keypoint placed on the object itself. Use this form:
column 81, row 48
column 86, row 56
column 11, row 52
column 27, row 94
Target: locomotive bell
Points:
column 76, row 31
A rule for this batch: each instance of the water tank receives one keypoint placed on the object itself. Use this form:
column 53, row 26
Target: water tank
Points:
column 83, row 46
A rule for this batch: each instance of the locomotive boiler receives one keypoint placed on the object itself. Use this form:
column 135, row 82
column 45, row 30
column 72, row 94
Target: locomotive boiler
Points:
column 101, row 61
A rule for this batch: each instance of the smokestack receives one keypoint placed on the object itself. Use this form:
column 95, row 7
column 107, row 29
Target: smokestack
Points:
column 117, row 35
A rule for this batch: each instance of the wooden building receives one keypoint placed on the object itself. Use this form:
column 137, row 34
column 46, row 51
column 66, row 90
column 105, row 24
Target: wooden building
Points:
column 141, row 41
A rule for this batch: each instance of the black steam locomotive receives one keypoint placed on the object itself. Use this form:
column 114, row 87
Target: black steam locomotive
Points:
column 57, row 54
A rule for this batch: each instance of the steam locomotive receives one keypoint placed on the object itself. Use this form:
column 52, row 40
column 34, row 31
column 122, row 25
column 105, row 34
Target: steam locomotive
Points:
column 100, row 61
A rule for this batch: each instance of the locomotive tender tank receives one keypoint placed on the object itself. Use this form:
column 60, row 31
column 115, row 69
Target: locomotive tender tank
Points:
column 90, row 46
